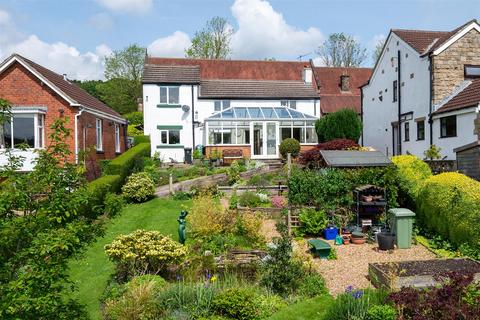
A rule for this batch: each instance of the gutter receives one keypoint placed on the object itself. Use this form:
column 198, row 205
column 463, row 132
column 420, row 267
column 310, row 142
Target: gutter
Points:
column 399, row 84
column 193, row 121
column 430, row 107
column 361, row 113
column 76, row 133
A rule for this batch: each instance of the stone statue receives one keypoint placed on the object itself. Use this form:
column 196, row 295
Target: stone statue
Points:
column 181, row 227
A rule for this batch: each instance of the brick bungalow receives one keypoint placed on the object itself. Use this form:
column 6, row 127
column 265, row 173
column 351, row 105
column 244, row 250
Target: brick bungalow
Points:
column 39, row 96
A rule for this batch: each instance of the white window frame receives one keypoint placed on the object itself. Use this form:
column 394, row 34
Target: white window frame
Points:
column 288, row 104
column 168, row 94
column 222, row 105
column 117, row 138
column 167, row 131
column 99, row 134
column 37, row 128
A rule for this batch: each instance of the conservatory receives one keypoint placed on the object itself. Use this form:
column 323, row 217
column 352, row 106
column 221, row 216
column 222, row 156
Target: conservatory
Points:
column 259, row 130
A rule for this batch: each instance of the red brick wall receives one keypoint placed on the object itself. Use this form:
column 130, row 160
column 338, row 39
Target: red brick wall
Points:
column 20, row 87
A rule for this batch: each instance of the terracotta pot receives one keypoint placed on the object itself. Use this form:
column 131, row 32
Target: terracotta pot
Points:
column 346, row 240
column 358, row 240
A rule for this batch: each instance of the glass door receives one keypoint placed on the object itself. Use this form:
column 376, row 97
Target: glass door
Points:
column 265, row 139
column 257, row 139
column 271, row 138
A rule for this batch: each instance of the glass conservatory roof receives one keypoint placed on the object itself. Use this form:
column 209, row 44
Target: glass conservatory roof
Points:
column 260, row 113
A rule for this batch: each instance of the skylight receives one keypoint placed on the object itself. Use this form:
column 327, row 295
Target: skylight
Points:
column 260, row 113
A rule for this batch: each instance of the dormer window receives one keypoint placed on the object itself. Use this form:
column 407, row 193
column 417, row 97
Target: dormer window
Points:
column 472, row 71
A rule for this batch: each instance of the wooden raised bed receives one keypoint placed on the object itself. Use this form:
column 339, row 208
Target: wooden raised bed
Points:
column 418, row 274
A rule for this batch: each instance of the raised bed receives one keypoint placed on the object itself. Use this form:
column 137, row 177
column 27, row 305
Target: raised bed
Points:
column 418, row 274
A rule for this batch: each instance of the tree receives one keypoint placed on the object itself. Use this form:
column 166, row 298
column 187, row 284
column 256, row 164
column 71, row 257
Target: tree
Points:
column 343, row 124
column 90, row 86
column 213, row 42
column 123, row 70
column 378, row 49
column 342, row 50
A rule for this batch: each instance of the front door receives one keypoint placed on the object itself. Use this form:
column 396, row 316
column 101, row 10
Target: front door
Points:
column 265, row 140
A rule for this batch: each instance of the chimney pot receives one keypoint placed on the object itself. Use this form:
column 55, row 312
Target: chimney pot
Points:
column 65, row 77
column 345, row 82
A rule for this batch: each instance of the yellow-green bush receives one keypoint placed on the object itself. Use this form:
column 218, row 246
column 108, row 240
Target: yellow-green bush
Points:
column 412, row 173
column 449, row 203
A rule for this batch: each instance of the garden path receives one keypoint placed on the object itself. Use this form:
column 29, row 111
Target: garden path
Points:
column 351, row 266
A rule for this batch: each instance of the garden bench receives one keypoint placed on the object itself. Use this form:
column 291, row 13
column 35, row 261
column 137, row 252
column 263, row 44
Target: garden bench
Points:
column 319, row 248
column 229, row 155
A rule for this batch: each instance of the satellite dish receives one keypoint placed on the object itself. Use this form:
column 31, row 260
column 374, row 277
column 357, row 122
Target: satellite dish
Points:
column 185, row 108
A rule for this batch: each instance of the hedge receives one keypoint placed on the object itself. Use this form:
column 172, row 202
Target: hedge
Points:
column 449, row 204
column 124, row 164
column 140, row 139
column 412, row 173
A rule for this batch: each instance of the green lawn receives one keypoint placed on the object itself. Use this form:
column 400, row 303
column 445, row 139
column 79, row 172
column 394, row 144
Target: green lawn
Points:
column 311, row 309
column 91, row 272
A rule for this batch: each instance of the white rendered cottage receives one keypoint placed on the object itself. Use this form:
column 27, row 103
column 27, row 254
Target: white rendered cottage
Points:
column 420, row 82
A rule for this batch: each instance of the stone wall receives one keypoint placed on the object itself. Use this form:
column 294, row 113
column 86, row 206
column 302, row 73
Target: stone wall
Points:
column 448, row 66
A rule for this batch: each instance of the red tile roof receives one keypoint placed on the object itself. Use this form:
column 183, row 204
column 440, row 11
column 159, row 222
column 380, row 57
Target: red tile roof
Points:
column 239, row 69
column 332, row 98
column 71, row 90
column 468, row 97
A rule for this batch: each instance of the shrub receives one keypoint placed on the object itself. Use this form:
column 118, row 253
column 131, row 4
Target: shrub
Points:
column 433, row 153
column 124, row 164
column 291, row 146
column 237, row 303
column 381, row 312
column 449, row 204
column 412, row 173
column 233, row 173
column 343, row 124
column 279, row 201
column 139, row 187
column 233, row 200
column 354, row 304
column 208, row 217
column 140, row 139
column 113, row 204
column 96, row 192
column 144, row 252
column 313, row 159
column 312, row 222
column 248, row 224
column 249, row 199
column 280, row 272
column 197, row 154
column 312, row 285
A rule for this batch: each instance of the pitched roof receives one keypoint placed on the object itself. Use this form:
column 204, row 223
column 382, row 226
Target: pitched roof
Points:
column 211, row 69
column 426, row 41
column 468, row 97
column 332, row 98
column 71, row 90
column 256, row 89
column 171, row 74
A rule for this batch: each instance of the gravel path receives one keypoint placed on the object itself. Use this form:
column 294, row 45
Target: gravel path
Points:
column 351, row 266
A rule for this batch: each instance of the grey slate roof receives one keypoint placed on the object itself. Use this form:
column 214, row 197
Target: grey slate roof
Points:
column 348, row 158
column 256, row 89
column 171, row 74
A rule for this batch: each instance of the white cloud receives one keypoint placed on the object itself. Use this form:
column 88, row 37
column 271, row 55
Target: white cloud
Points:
column 173, row 45
column 59, row 56
column 101, row 21
column 263, row 32
column 127, row 6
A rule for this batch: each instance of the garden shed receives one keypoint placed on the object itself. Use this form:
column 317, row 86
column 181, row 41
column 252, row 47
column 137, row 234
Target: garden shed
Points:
column 354, row 158
column 468, row 159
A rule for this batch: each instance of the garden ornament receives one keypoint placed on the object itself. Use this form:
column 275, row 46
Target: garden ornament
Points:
column 181, row 227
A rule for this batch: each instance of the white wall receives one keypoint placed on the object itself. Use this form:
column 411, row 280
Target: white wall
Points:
column 378, row 115
column 154, row 116
column 465, row 132
column 29, row 158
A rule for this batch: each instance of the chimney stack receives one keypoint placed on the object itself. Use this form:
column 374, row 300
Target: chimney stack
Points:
column 307, row 75
column 345, row 82
column 65, row 77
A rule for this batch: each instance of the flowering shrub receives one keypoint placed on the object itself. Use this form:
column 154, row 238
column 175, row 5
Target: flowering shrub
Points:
column 412, row 173
column 449, row 204
column 313, row 159
column 279, row 202
column 208, row 217
column 143, row 252
column 139, row 187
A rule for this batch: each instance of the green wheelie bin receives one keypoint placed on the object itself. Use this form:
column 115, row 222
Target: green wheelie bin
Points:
column 401, row 224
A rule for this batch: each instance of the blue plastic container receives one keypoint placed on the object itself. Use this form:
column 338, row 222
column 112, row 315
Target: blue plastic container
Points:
column 330, row 233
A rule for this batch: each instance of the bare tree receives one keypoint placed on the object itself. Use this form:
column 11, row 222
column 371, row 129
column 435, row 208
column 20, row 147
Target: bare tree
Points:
column 342, row 50
column 213, row 42
column 378, row 49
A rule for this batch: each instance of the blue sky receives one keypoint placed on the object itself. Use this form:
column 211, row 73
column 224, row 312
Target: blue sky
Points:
column 73, row 36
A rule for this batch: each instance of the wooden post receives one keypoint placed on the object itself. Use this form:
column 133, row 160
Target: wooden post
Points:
column 170, row 183
column 289, row 221
column 289, row 163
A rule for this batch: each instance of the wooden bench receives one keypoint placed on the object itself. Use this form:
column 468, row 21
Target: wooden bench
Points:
column 230, row 155
column 320, row 248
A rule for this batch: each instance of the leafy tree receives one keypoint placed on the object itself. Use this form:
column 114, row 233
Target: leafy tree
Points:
column 5, row 114
column 212, row 42
column 378, row 49
column 123, row 70
column 342, row 50
column 343, row 124
column 90, row 86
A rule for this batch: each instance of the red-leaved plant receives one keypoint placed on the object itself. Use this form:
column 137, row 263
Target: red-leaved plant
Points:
column 458, row 298
column 313, row 159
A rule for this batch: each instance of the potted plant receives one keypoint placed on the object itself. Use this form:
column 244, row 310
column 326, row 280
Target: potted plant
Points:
column 358, row 237
column 346, row 239
column 343, row 216
column 214, row 157
column 197, row 157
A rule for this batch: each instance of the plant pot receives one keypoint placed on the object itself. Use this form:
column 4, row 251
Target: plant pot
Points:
column 355, row 240
column 346, row 239
column 386, row 241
